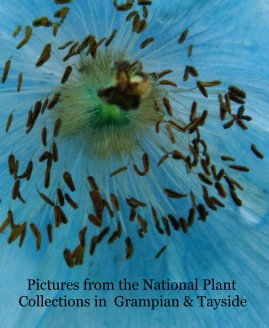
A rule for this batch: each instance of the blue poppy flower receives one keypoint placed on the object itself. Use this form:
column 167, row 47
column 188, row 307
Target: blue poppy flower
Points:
column 133, row 147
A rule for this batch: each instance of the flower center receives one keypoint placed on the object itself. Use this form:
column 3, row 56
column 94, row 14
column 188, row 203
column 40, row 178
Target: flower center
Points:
column 125, row 95
column 128, row 89
column 110, row 98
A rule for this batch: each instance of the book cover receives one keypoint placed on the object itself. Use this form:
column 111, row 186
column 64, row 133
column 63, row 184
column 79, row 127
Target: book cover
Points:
column 134, row 163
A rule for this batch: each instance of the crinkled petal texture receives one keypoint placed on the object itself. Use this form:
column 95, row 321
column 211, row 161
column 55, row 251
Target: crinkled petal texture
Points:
column 224, row 42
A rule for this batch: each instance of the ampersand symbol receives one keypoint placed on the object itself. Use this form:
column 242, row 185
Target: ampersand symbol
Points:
column 188, row 301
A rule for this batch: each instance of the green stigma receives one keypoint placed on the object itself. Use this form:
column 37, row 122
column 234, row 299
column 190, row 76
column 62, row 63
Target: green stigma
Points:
column 106, row 115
